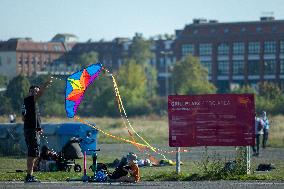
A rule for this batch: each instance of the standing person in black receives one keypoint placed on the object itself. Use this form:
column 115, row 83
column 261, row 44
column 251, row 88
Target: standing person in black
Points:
column 31, row 118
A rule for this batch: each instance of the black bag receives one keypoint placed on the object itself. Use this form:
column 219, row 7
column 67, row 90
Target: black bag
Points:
column 72, row 149
column 265, row 167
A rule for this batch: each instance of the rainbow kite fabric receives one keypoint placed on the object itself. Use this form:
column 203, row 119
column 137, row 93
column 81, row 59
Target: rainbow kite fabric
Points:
column 76, row 85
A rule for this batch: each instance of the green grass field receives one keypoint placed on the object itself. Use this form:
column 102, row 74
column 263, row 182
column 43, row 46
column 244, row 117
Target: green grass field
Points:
column 155, row 130
column 189, row 171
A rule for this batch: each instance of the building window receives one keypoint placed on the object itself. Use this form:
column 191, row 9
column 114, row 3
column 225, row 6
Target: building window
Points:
column 254, row 48
column 281, row 46
column 20, row 66
column 269, row 47
column 258, row 29
column 269, row 67
column 281, row 66
column 223, row 49
column 223, row 67
column 0, row 61
column 238, row 48
column 57, row 48
column 208, row 66
column 205, row 49
column 187, row 49
column 226, row 30
column 253, row 67
column 238, row 67
column 243, row 29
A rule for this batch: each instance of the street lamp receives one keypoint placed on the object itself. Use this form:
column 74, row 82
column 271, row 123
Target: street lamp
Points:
column 166, row 53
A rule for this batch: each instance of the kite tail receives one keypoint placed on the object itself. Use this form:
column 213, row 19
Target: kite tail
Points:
column 108, row 134
column 125, row 115
column 157, row 150
column 122, row 110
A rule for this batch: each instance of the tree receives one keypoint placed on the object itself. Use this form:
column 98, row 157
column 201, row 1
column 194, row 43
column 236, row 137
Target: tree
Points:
column 132, row 84
column 140, row 52
column 244, row 90
column 52, row 101
column 269, row 91
column 17, row 90
column 270, row 98
column 190, row 77
column 87, row 59
column 99, row 98
column 3, row 80
column 6, row 106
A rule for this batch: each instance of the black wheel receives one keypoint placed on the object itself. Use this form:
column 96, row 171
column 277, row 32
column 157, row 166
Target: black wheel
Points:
column 69, row 168
column 77, row 168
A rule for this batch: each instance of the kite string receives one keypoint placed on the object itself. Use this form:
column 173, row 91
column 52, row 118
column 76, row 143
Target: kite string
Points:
column 122, row 139
column 122, row 107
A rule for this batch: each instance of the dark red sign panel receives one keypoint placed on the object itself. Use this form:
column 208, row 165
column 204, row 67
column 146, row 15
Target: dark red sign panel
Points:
column 211, row 120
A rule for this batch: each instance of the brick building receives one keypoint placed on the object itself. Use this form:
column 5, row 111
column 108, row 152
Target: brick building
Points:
column 235, row 53
column 26, row 57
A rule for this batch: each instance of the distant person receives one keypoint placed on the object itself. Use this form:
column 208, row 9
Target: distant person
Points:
column 258, row 131
column 265, row 128
column 31, row 118
column 12, row 118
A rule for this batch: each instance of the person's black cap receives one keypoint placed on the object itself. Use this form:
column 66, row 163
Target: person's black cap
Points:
column 33, row 87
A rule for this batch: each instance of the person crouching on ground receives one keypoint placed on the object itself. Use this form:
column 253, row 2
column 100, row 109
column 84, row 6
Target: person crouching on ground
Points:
column 31, row 118
column 120, row 171
column 133, row 169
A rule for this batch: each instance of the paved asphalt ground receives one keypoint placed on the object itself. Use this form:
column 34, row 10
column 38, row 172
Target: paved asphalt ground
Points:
column 145, row 185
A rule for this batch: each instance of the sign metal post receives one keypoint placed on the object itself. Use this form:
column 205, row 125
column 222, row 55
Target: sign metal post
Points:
column 178, row 160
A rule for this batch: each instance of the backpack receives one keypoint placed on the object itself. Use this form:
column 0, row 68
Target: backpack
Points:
column 101, row 176
column 259, row 126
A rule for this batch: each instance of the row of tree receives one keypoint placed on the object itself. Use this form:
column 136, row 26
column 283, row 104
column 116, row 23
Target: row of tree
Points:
column 137, row 82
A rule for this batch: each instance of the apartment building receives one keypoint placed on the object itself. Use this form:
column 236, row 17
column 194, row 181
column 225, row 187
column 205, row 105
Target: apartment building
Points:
column 26, row 57
column 235, row 53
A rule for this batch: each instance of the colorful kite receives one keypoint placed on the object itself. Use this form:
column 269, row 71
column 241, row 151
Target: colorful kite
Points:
column 76, row 85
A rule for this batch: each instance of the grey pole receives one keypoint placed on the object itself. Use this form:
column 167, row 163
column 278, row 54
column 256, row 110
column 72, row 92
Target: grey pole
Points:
column 166, row 53
column 167, row 77
column 178, row 160
column 248, row 160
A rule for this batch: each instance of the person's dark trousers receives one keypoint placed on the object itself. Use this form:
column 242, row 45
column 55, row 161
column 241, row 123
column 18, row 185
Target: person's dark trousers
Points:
column 265, row 137
column 255, row 148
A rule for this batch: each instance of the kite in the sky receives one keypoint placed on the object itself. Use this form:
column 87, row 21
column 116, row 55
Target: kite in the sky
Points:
column 76, row 84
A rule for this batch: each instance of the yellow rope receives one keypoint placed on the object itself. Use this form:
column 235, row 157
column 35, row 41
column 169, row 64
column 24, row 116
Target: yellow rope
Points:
column 121, row 107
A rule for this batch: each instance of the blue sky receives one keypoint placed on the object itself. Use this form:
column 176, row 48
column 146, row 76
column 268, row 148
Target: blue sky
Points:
column 107, row 19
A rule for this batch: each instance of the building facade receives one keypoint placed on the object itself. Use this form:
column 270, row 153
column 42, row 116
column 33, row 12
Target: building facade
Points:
column 235, row 53
column 26, row 57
